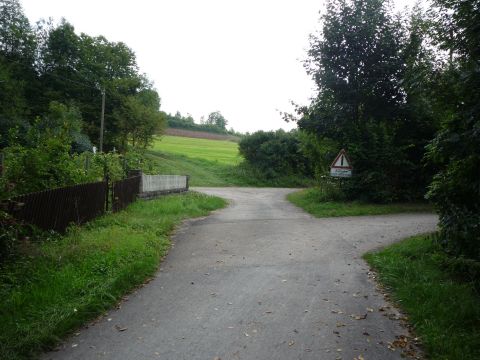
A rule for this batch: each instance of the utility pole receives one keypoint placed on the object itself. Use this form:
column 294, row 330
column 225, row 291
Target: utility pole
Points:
column 102, row 120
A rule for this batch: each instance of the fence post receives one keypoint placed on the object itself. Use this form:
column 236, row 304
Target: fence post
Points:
column 87, row 162
column 107, row 178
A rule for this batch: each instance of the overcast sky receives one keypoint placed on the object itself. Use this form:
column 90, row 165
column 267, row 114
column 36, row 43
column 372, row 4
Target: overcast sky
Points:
column 242, row 58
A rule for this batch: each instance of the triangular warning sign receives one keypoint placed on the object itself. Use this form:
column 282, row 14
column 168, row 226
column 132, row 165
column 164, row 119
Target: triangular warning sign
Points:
column 341, row 161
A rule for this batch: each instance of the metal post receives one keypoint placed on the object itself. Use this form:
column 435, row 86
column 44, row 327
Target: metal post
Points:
column 102, row 120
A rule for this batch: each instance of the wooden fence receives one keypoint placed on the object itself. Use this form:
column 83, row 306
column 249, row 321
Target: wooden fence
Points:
column 124, row 192
column 56, row 209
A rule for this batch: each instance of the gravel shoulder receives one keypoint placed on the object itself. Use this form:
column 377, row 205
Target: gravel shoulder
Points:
column 260, row 279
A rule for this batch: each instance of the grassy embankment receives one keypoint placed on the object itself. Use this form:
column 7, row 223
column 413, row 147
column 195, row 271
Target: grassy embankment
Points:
column 440, row 295
column 316, row 202
column 211, row 163
column 59, row 284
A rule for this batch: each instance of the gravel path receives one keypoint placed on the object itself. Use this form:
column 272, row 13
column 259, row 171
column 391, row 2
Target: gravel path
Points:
column 260, row 279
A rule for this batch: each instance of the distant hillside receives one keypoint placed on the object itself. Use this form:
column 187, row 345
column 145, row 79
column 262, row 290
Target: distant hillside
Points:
column 200, row 134
column 211, row 163
column 215, row 123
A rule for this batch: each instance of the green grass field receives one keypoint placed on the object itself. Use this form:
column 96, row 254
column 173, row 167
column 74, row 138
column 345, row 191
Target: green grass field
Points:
column 221, row 151
column 211, row 163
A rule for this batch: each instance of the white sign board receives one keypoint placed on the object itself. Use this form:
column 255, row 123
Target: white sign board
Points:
column 341, row 166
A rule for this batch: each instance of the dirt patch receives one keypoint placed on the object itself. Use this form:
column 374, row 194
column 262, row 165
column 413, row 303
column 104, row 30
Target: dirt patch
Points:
column 200, row 134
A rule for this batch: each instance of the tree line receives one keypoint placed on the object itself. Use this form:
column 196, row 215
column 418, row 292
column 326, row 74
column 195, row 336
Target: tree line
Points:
column 214, row 123
column 401, row 93
column 51, row 85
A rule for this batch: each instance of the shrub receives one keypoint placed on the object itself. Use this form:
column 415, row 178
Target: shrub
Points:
column 275, row 153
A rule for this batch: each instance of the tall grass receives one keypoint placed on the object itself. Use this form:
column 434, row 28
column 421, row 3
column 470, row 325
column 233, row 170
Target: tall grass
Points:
column 59, row 284
column 443, row 305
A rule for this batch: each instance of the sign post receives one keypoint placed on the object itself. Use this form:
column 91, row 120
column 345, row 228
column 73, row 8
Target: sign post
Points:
column 341, row 166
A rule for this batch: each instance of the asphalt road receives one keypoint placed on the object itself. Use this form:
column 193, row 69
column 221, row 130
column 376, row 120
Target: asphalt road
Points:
column 260, row 279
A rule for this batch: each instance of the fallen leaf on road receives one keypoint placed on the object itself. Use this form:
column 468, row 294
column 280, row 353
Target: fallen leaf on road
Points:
column 401, row 342
column 120, row 328
column 291, row 343
column 339, row 324
column 369, row 309
column 359, row 317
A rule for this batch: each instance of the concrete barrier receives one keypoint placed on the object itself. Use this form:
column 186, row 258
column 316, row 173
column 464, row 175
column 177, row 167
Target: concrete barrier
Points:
column 152, row 186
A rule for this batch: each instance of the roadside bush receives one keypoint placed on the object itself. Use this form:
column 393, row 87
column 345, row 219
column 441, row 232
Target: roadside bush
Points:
column 8, row 236
column 456, row 193
column 275, row 153
column 14, row 233
column 330, row 189
column 319, row 151
column 46, row 165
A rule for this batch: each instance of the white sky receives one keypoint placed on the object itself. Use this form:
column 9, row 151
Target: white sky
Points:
column 242, row 58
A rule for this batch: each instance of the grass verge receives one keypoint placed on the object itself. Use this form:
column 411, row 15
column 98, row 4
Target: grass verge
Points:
column 443, row 305
column 61, row 283
column 313, row 202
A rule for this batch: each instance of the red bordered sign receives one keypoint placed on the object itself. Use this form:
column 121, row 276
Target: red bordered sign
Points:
column 341, row 166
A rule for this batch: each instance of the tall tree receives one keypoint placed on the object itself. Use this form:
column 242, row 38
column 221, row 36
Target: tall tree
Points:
column 217, row 119
column 358, row 64
column 139, row 119
column 456, row 149
column 17, row 74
